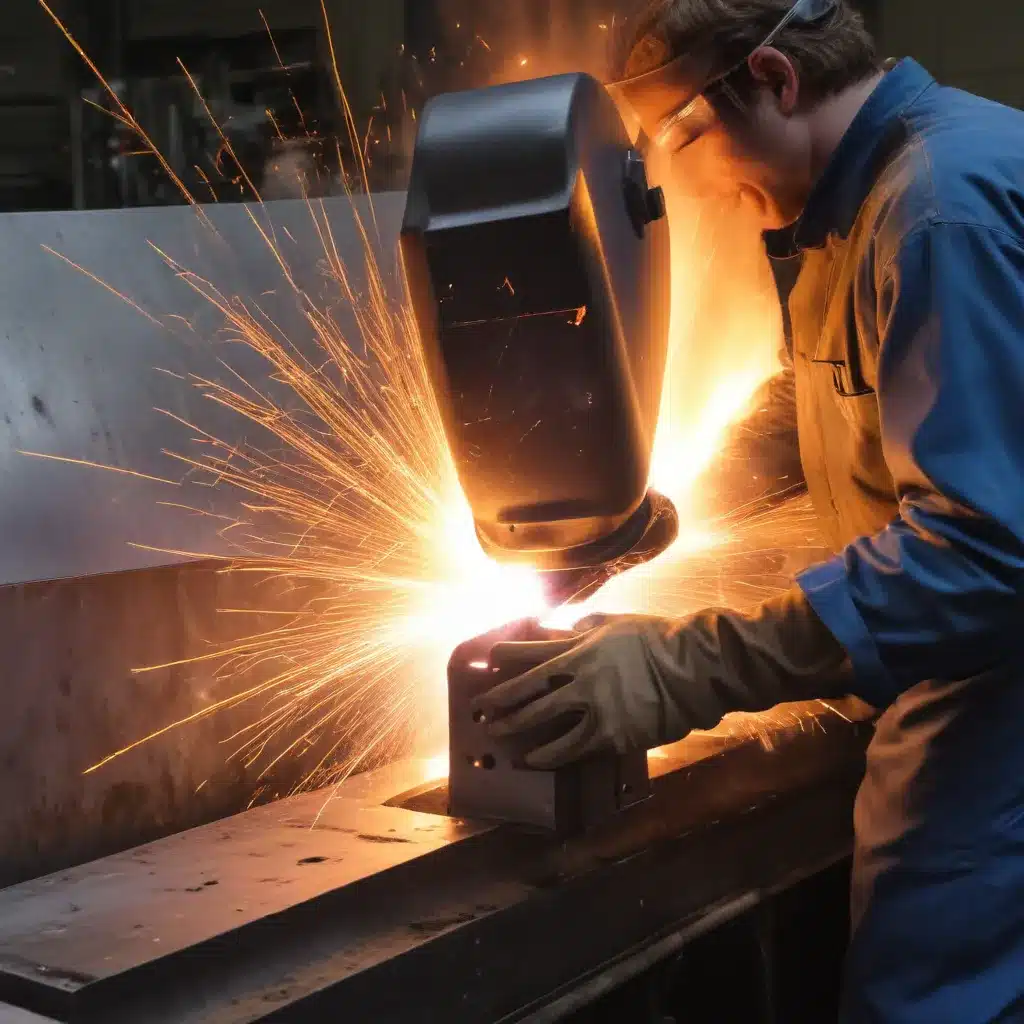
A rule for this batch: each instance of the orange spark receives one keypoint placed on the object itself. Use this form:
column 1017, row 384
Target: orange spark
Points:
column 366, row 140
column 101, row 465
column 302, row 117
column 350, row 121
column 124, row 114
column 103, row 284
column 206, row 181
column 224, row 140
column 273, row 121
column 273, row 42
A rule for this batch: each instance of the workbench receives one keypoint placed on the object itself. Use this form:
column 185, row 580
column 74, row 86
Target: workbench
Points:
column 367, row 903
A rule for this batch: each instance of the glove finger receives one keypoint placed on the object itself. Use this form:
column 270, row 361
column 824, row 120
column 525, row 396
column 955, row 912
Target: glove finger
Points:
column 519, row 657
column 506, row 697
column 595, row 621
column 571, row 746
column 533, row 684
column 598, row 619
column 535, row 715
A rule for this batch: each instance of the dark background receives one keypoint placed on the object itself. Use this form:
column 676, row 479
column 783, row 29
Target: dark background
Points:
column 58, row 152
column 277, row 102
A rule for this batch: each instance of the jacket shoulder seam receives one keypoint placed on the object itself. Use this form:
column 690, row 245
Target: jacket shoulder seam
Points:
column 936, row 220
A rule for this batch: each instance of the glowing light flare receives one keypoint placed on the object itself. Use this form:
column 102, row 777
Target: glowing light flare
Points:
column 435, row 768
column 462, row 593
column 726, row 330
column 685, row 448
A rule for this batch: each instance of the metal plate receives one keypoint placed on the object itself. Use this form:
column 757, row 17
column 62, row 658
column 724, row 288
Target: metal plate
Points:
column 385, row 914
column 486, row 779
column 81, row 369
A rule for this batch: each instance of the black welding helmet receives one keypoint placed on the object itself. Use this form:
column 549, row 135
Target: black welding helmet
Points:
column 537, row 262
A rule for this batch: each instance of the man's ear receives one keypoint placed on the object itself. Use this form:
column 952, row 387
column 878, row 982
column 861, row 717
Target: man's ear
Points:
column 772, row 69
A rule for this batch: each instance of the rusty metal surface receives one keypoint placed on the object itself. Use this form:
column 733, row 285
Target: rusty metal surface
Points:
column 397, row 915
column 71, row 698
column 66, row 935
column 263, row 862
column 81, row 370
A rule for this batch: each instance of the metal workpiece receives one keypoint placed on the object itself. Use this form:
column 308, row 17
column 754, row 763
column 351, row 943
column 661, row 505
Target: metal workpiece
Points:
column 354, row 905
column 86, row 370
column 72, row 697
column 487, row 778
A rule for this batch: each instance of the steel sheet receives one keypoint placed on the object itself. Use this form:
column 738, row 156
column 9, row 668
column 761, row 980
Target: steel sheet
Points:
column 81, row 369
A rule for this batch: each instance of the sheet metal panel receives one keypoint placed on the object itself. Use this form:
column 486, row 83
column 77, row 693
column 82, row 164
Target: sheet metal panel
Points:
column 82, row 370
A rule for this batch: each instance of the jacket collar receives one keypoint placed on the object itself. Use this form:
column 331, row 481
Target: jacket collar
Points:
column 850, row 175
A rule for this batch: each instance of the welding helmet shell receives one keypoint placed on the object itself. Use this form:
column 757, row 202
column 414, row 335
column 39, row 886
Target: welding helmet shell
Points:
column 537, row 261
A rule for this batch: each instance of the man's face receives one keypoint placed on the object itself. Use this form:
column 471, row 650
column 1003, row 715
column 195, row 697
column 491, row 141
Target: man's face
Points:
column 757, row 155
column 757, row 158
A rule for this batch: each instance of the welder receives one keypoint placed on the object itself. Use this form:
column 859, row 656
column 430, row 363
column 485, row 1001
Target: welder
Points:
column 904, row 383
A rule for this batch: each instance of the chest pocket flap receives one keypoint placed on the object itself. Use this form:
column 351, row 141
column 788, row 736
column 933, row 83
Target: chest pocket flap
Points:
column 839, row 344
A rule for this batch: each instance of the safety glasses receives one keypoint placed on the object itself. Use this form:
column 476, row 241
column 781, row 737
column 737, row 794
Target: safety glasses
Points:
column 696, row 115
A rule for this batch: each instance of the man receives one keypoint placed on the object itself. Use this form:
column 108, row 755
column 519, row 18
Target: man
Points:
column 906, row 201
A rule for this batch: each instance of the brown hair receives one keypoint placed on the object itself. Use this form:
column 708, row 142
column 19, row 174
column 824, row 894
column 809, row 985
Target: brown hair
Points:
column 829, row 55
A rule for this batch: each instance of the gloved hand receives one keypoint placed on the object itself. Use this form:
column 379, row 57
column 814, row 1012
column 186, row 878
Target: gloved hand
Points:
column 636, row 682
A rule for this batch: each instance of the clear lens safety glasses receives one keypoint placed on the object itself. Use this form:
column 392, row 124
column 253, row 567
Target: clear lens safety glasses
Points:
column 696, row 115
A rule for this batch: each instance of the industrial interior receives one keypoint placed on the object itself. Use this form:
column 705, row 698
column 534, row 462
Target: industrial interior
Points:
column 248, row 602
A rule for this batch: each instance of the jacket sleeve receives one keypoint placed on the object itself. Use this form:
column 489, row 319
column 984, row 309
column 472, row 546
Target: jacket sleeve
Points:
column 939, row 594
column 760, row 460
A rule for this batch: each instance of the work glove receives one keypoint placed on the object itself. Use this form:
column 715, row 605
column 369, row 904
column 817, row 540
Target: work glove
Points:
column 634, row 682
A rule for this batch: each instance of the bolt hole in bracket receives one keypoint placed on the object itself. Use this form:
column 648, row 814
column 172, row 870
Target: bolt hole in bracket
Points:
column 487, row 778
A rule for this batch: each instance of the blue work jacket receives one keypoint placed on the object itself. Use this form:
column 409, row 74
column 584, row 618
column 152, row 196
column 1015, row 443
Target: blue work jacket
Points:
column 906, row 385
